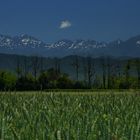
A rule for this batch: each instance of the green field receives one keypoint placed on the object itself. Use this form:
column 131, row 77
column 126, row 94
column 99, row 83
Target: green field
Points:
column 70, row 116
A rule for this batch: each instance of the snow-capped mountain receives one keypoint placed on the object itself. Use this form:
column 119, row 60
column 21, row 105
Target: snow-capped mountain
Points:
column 6, row 41
column 78, row 44
column 31, row 42
column 28, row 45
column 20, row 41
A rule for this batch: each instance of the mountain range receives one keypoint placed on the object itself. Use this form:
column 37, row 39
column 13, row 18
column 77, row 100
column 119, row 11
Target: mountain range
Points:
column 28, row 45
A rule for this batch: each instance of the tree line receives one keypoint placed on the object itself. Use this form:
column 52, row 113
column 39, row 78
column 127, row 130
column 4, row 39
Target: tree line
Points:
column 109, row 75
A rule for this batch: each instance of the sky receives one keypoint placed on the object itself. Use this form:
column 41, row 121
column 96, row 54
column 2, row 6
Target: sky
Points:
column 53, row 20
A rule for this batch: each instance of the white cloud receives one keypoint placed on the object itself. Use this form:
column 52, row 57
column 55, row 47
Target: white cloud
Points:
column 65, row 24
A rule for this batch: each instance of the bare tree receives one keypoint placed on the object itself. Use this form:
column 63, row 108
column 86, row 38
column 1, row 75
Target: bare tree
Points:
column 41, row 64
column 108, row 72
column 84, row 69
column 57, row 65
column 25, row 65
column 76, row 66
column 35, row 66
column 90, row 71
column 137, row 63
column 127, row 71
column 18, row 67
column 103, row 65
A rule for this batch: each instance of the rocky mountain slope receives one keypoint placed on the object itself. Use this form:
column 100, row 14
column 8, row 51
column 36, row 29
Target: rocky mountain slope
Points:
column 28, row 45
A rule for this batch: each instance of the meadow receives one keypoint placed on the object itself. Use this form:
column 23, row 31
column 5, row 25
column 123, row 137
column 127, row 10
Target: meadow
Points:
column 70, row 115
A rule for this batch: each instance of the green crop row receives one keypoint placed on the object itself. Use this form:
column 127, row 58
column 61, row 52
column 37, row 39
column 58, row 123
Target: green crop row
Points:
column 69, row 117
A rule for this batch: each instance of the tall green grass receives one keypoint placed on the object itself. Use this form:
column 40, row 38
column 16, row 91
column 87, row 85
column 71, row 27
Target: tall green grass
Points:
column 69, row 117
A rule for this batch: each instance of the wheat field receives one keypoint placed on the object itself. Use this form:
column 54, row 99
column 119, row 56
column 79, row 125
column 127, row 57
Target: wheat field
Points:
column 69, row 116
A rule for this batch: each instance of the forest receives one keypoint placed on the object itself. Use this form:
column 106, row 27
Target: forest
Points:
column 30, row 73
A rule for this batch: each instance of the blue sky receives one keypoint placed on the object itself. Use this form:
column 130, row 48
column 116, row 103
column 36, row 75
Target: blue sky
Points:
column 52, row 20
